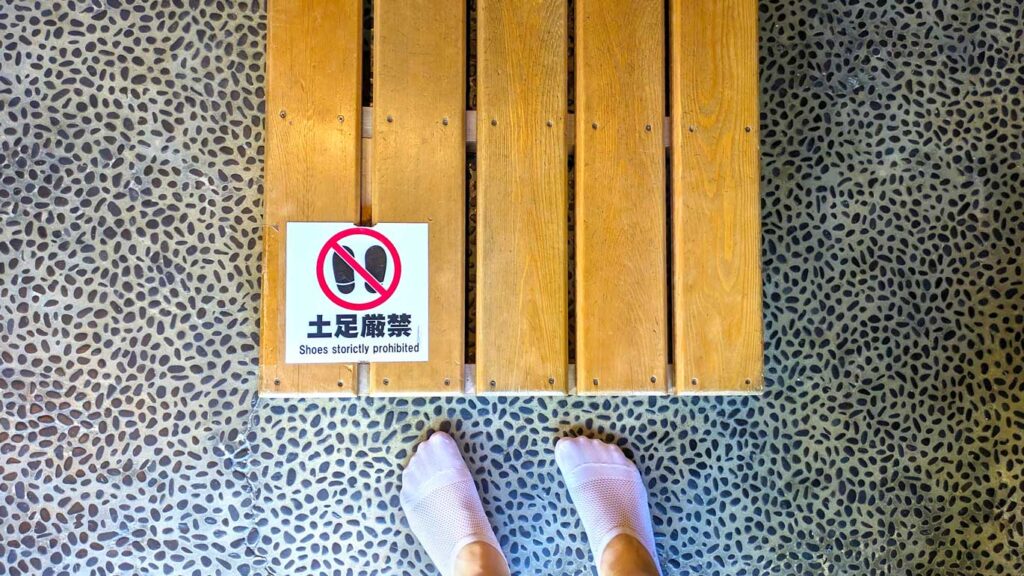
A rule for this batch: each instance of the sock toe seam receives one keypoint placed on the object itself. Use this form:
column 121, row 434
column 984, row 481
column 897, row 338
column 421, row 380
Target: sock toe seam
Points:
column 624, row 472
column 437, row 479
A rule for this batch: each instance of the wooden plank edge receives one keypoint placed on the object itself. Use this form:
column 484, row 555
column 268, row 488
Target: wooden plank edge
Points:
column 469, row 388
column 269, row 351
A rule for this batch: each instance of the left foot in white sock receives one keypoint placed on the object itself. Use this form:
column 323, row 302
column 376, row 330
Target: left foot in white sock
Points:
column 441, row 502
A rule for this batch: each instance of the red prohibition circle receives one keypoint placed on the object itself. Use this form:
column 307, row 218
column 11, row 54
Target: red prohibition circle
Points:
column 333, row 245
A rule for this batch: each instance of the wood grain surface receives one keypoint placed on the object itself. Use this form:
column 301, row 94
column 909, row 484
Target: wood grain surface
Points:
column 314, row 58
column 621, row 198
column 715, row 196
column 419, row 167
column 522, row 226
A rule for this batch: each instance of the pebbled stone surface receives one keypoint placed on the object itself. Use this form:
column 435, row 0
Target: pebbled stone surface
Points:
column 890, row 439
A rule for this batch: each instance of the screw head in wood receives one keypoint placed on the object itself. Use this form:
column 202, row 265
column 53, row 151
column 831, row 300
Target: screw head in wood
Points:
column 654, row 379
column 444, row 121
column 648, row 127
column 596, row 383
column 277, row 381
column 390, row 118
column 693, row 381
column 748, row 129
column 551, row 380
column 386, row 381
column 550, row 123
column 594, row 125
column 493, row 383
column 693, row 128
column 494, row 121
column 341, row 383
column 282, row 113
column 341, row 119
column 447, row 381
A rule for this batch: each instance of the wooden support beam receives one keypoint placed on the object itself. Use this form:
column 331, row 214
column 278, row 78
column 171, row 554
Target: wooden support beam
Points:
column 471, row 128
column 715, row 196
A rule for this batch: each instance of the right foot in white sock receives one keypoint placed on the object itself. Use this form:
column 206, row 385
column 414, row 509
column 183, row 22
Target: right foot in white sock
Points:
column 608, row 492
column 441, row 502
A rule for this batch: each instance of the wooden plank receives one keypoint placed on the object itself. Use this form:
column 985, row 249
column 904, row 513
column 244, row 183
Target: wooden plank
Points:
column 522, row 227
column 419, row 167
column 314, row 57
column 621, row 198
column 715, row 196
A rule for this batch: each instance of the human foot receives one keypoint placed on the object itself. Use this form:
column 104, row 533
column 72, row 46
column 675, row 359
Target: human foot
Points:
column 443, row 507
column 610, row 497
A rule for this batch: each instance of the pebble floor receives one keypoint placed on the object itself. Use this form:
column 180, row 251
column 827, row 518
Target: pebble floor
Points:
column 889, row 440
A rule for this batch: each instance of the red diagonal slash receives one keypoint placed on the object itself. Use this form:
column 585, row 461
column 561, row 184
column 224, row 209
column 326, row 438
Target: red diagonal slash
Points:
column 359, row 269
column 333, row 244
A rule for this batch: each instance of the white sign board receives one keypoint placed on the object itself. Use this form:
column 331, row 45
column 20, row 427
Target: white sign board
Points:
column 355, row 294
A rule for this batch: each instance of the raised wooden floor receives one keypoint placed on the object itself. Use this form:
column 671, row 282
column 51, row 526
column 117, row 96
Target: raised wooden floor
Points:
column 664, row 146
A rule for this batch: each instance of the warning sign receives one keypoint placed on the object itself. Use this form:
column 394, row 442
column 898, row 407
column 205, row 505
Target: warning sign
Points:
column 356, row 294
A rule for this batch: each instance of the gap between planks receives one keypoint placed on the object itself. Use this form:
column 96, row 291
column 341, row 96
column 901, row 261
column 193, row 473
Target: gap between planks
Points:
column 570, row 127
column 469, row 387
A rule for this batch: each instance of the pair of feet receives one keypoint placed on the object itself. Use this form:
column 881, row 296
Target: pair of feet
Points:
column 444, row 510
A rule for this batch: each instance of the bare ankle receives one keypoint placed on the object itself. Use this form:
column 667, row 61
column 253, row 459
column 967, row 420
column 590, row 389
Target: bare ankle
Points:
column 626, row 556
column 480, row 559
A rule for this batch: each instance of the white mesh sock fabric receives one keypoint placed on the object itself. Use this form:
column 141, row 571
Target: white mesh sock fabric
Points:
column 608, row 492
column 442, row 504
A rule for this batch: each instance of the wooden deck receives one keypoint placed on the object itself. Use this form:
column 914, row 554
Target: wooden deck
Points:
column 664, row 145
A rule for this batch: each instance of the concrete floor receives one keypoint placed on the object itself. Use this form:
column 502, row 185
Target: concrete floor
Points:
column 889, row 440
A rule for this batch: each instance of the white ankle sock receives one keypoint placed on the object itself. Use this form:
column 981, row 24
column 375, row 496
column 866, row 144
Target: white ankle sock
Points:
column 442, row 504
column 608, row 492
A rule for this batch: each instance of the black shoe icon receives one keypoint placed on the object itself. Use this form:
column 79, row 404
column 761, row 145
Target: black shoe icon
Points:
column 344, row 275
column 376, row 264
